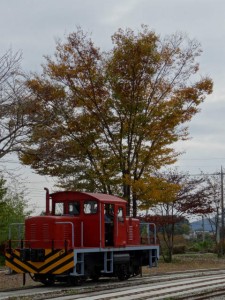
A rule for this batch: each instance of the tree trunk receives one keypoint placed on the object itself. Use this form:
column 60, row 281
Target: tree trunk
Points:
column 126, row 195
column 134, row 205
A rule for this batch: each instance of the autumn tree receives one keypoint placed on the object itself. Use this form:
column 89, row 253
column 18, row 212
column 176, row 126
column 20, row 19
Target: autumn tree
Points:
column 184, row 196
column 12, row 104
column 106, row 120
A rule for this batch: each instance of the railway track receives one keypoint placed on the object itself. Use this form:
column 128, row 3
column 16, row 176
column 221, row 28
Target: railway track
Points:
column 189, row 285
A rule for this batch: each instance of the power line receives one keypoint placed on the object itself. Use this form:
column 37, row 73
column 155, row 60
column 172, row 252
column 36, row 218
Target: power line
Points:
column 212, row 158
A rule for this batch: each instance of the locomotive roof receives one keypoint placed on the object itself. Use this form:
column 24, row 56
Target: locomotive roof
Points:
column 97, row 196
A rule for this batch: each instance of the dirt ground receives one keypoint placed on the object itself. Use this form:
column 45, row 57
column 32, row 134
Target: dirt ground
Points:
column 180, row 263
column 10, row 281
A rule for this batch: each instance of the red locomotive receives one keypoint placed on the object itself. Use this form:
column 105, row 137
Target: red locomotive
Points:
column 83, row 235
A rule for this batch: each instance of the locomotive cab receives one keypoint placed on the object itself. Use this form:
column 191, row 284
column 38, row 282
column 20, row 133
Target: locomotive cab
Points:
column 103, row 218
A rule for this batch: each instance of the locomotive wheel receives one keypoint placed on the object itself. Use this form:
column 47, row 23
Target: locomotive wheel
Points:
column 95, row 274
column 123, row 272
column 76, row 280
column 137, row 270
column 47, row 280
column 95, row 277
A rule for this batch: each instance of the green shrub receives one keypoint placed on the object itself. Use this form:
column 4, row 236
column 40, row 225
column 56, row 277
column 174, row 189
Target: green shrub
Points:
column 203, row 246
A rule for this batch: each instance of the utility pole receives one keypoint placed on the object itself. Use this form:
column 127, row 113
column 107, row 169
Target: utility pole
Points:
column 203, row 229
column 222, row 213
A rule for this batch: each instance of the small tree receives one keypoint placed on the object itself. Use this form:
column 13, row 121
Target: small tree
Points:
column 13, row 104
column 13, row 208
column 214, row 218
column 190, row 196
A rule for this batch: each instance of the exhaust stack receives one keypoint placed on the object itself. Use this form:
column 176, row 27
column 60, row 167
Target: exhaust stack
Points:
column 47, row 210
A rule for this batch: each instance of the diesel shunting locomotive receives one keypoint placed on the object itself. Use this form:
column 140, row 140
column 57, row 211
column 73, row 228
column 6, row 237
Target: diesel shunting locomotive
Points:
column 82, row 235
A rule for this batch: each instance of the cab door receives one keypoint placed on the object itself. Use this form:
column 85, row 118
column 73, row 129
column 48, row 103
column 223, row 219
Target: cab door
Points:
column 120, row 226
column 109, row 228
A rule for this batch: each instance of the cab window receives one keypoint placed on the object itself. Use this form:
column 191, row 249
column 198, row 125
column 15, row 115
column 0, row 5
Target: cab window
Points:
column 120, row 214
column 59, row 208
column 90, row 207
column 74, row 208
column 108, row 212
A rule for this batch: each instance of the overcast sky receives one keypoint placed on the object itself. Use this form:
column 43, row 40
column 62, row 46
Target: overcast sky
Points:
column 32, row 26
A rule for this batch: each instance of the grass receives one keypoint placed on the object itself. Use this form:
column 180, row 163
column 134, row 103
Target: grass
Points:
column 189, row 261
